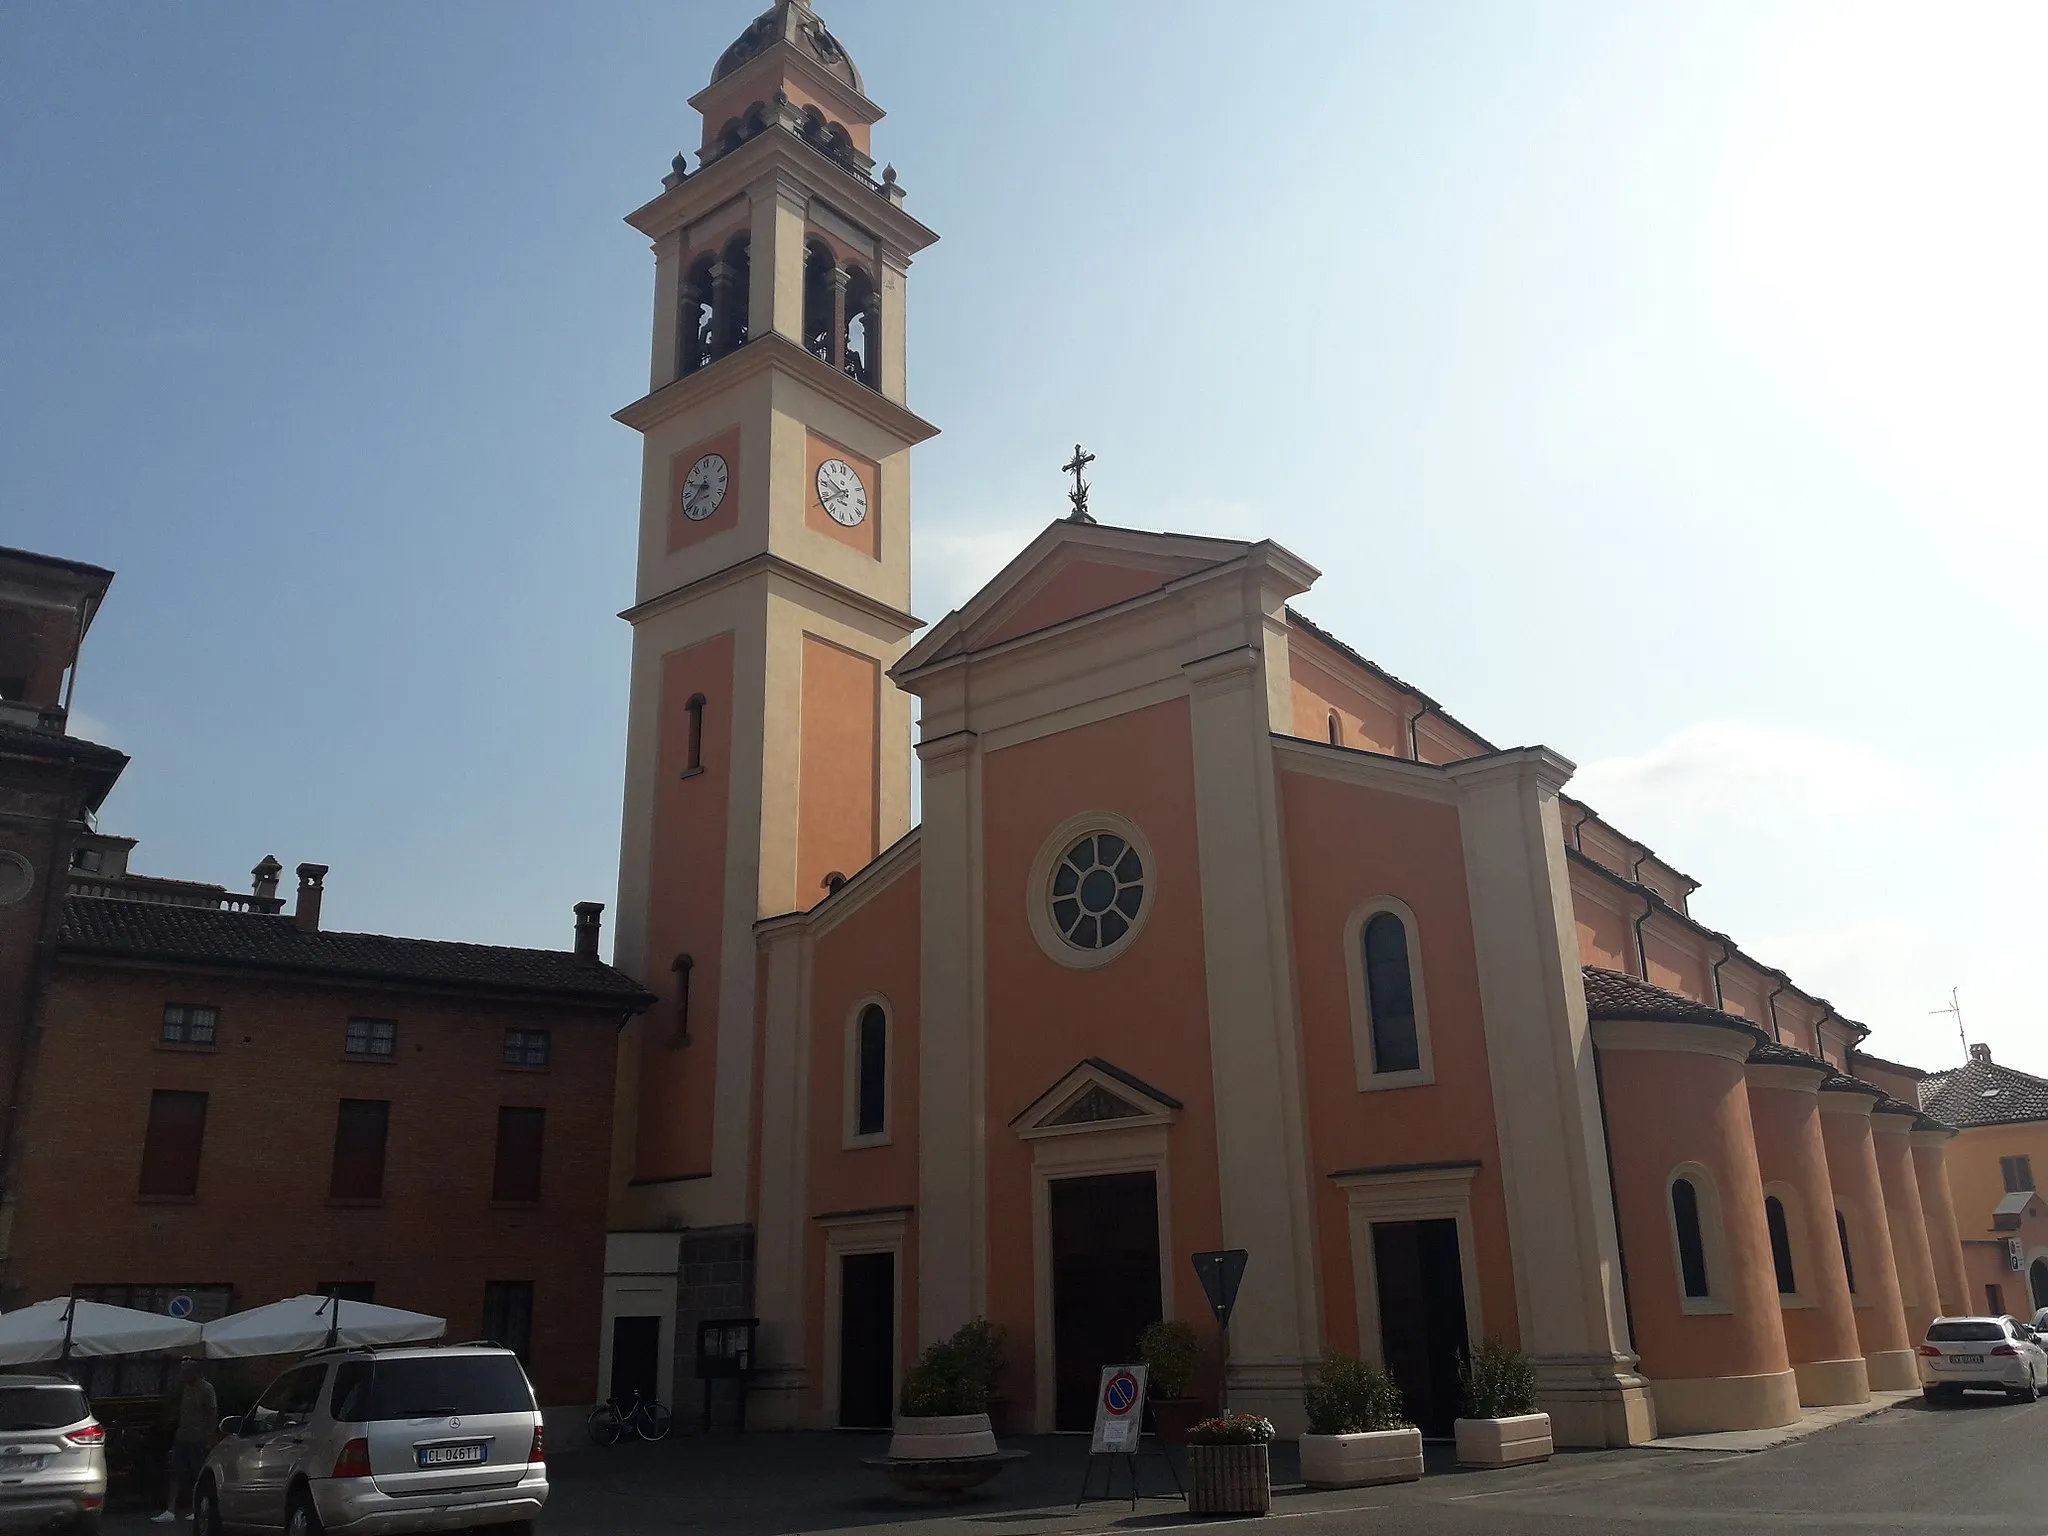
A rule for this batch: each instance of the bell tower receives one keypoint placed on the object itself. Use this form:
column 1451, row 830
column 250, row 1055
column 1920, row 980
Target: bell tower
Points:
column 767, row 750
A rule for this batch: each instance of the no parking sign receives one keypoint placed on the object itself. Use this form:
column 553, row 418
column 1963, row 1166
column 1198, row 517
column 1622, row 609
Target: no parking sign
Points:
column 1119, row 1410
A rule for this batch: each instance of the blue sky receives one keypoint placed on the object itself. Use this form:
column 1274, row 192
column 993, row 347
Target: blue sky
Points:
column 1658, row 382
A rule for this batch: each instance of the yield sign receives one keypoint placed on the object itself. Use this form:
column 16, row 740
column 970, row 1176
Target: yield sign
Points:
column 1221, row 1272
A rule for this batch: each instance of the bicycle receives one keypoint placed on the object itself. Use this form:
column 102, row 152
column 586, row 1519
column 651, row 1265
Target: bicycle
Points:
column 611, row 1420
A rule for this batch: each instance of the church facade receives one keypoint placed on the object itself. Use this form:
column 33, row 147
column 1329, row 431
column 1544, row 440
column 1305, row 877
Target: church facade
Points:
column 1212, row 935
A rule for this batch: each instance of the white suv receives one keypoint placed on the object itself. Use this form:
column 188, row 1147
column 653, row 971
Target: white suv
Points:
column 1993, row 1353
column 53, row 1456
column 381, row 1440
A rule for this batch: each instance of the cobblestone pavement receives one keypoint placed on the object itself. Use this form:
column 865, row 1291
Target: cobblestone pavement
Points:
column 1913, row 1469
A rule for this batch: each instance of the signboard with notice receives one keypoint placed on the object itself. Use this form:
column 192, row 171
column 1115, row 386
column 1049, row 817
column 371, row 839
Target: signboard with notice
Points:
column 1119, row 1411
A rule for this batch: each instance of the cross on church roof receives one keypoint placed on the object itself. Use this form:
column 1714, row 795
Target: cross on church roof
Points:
column 1079, row 494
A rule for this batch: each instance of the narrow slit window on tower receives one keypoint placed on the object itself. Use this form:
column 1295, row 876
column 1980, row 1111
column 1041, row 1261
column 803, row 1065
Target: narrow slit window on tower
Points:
column 1336, row 730
column 682, row 965
column 871, row 1066
column 1781, row 1245
column 694, row 759
column 1390, row 995
column 1692, row 1248
column 1848, row 1264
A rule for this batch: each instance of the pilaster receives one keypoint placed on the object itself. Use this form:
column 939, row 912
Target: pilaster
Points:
column 893, row 357
column 1254, row 1039
column 952, row 1284
column 1553, row 1157
column 782, row 1375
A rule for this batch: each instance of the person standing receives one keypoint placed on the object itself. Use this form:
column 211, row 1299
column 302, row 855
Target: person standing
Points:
column 198, row 1417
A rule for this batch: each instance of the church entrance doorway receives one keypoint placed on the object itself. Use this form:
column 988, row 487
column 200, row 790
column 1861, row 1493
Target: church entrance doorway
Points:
column 1105, row 1282
column 867, row 1340
column 1422, row 1316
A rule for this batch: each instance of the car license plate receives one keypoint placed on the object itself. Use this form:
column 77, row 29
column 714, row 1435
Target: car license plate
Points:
column 17, row 1466
column 1965, row 1359
column 451, row 1455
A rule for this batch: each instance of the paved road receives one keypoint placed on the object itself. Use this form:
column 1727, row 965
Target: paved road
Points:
column 1914, row 1469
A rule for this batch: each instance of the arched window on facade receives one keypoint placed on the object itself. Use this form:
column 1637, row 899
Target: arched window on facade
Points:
column 1848, row 1264
column 2037, row 1281
column 1336, row 730
column 694, row 761
column 695, row 317
column 1692, row 1247
column 1781, row 1245
column 824, row 329
column 863, row 327
column 1390, row 995
column 871, row 1072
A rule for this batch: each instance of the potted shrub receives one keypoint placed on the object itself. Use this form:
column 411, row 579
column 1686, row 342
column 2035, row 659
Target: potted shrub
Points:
column 1500, row 1426
column 1357, row 1434
column 943, row 1407
column 1228, row 1469
column 1172, row 1354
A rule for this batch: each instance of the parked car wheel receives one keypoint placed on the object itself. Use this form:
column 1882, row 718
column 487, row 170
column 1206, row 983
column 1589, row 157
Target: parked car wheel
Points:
column 304, row 1519
column 206, row 1510
column 1936, row 1395
column 2029, row 1393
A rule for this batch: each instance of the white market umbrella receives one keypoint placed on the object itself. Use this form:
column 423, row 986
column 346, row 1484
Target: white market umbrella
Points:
column 301, row 1323
column 64, row 1327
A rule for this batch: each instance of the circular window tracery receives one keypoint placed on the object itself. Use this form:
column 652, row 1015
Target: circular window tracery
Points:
column 1098, row 889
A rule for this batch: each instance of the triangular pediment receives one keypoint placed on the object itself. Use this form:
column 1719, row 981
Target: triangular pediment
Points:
column 1095, row 1096
column 1068, row 571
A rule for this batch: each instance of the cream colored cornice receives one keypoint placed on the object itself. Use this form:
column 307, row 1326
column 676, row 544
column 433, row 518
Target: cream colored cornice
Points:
column 775, row 352
column 816, row 78
column 776, row 149
column 944, row 754
column 1677, row 1039
column 772, row 566
column 1373, row 770
column 861, row 887
column 1779, row 1075
column 1549, row 769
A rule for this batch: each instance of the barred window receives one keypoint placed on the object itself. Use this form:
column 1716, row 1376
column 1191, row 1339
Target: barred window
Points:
column 377, row 1038
column 189, row 1024
column 526, row 1047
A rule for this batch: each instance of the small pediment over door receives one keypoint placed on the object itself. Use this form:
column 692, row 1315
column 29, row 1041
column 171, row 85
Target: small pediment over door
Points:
column 1095, row 1096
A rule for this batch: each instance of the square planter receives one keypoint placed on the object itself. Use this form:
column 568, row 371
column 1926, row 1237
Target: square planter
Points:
column 1229, row 1480
column 1360, row 1461
column 1504, row 1442
column 1173, row 1417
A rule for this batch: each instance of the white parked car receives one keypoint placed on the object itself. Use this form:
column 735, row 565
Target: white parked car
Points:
column 1994, row 1354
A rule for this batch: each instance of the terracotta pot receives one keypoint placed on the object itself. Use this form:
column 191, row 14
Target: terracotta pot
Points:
column 1229, row 1480
column 1503, row 1442
column 954, row 1437
column 1173, row 1417
column 1362, row 1460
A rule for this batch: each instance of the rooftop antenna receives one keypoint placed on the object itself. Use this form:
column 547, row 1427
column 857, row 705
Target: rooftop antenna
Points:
column 1955, row 1008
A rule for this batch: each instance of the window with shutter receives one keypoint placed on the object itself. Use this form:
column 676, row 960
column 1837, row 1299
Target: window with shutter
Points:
column 520, row 1132
column 359, row 1133
column 170, row 1147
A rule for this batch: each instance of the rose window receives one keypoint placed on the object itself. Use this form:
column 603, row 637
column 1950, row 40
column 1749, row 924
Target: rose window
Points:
column 1097, row 887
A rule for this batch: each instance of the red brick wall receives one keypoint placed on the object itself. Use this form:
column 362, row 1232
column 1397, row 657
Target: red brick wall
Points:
column 262, row 1220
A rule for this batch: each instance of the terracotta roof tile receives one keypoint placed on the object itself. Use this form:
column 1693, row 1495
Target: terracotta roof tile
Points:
column 1611, row 995
column 1984, row 1093
column 143, row 930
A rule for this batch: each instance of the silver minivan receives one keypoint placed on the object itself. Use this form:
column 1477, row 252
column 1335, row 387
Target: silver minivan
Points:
column 53, row 1456
column 381, row 1440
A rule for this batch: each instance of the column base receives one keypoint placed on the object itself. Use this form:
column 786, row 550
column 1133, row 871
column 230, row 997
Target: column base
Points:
column 1704, row 1404
column 1892, row 1370
column 1271, row 1388
column 775, row 1398
column 1595, row 1400
column 1831, row 1383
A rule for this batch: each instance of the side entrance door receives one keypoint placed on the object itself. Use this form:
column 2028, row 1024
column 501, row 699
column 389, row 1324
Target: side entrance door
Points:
column 636, row 1357
column 1105, row 1283
column 867, row 1340
column 1422, row 1316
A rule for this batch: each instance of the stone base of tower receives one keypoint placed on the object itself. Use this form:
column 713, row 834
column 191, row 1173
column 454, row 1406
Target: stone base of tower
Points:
column 775, row 1399
column 1832, row 1383
column 1272, row 1389
column 1708, row 1404
column 1892, row 1370
column 1594, row 1401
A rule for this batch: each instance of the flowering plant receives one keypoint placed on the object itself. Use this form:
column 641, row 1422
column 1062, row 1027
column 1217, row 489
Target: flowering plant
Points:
column 1232, row 1429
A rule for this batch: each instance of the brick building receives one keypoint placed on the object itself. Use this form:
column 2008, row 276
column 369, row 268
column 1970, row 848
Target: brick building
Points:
column 224, row 1102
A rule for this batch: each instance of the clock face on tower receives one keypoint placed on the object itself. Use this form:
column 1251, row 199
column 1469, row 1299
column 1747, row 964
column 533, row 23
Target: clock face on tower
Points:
column 704, row 487
column 841, row 493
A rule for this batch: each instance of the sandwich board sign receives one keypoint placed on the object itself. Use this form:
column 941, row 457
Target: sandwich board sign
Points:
column 1119, row 1411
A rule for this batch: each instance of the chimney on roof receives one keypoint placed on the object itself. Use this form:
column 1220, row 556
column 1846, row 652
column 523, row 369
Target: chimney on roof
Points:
column 587, row 927
column 306, row 915
column 1981, row 1053
column 264, row 884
